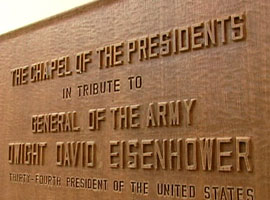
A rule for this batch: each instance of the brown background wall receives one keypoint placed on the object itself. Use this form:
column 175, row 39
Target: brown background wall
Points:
column 229, row 82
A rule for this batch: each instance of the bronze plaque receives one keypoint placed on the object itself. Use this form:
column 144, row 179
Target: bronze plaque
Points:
column 136, row 99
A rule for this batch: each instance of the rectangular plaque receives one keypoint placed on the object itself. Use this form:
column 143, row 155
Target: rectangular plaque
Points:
column 138, row 100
